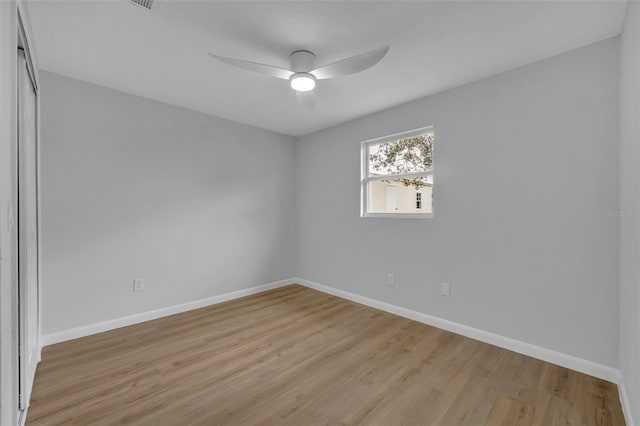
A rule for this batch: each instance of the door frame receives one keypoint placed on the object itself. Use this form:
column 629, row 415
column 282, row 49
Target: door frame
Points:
column 24, row 379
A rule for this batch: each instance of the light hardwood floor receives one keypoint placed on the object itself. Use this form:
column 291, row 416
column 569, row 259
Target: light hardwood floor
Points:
column 295, row 356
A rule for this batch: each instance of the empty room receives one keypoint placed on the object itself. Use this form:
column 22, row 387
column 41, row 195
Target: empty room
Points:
column 328, row 213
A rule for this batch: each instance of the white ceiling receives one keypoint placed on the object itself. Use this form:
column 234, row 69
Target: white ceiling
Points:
column 434, row 46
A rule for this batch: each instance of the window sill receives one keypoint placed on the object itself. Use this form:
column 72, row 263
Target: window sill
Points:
column 397, row 215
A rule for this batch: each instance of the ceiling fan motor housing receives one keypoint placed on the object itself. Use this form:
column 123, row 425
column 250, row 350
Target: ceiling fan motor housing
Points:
column 302, row 61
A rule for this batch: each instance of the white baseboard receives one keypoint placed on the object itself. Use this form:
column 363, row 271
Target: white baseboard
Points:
column 99, row 327
column 568, row 361
column 624, row 401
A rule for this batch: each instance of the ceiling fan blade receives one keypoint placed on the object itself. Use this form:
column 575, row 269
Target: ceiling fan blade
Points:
column 256, row 67
column 306, row 99
column 350, row 65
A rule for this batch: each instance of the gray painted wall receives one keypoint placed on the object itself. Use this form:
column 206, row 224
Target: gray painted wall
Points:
column 131, row 188
column 630, row 201
column 525, row 169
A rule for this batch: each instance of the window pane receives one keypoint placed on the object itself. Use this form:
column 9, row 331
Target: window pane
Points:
column 407, row 155
column 400, row 195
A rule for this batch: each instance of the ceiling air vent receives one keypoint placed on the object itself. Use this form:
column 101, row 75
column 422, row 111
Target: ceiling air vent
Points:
column 147, row 4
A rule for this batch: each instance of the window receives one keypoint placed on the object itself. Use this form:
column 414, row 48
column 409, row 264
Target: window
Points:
column 397, row 175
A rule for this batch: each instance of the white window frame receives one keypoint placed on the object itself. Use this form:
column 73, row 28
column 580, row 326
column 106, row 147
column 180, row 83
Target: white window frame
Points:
column 364, row 179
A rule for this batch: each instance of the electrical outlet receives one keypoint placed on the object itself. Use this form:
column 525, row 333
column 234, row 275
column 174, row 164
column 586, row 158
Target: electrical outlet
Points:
column 391, row 280
column 138, row 284
column 445, row 289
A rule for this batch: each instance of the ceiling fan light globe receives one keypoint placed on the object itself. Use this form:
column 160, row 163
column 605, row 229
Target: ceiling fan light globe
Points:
column 303, row 82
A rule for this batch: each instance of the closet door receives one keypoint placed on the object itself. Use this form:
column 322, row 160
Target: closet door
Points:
column 27, row 230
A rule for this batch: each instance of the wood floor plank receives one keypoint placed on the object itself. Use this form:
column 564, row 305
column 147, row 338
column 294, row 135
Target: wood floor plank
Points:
column 509, row 411
column 297, row 357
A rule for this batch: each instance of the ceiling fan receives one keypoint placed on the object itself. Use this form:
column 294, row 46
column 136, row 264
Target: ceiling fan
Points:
column 303, row 73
